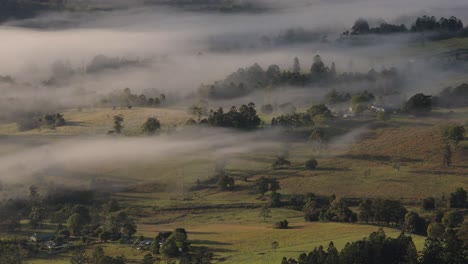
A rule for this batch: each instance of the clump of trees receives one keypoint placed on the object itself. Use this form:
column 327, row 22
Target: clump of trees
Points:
column 125, row 98
column 419, row 104
column 263, row 185
column 382, row 211
column 281, row 224
column 50, row 121
column 255, row 78
column 379, row 248
column 151, row 126
column 245, row 117
column 225, row 182
column 311, row 164
column 453, row 97
column 440, row 29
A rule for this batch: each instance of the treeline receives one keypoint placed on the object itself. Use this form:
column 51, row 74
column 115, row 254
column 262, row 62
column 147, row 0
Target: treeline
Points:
column 254, row 78
column 452, row 97
column 126, row 98
column 444, row 27
column 379, row 248
column 10, row 9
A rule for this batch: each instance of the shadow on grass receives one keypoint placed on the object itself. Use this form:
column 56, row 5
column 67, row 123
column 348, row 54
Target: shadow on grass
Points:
column 439, row 172
column 209, row 242
column 74, row 124
column 222, row 250
column 202, row 233
column 376, row 158
column 332, row 169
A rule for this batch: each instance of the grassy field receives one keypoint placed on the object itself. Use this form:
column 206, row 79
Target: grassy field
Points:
column 161, row 198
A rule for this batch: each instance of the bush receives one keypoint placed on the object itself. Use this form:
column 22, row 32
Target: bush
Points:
column 428, row 203
column 281, row 225
column 452, row 219
column 151, row 125
column 311, row 164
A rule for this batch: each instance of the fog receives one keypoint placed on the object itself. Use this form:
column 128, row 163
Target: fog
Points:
column 176, row 50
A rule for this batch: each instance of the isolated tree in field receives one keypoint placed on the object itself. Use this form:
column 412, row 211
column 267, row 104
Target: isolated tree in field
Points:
column 311, row 164
column 274, row 245
column 280, row 162
column 163, row 98
column 453, row 134
column 225, row 182
column 265, row 212
column 151, row 126
column 447, row 155
column 118, row 120
column 418, row 104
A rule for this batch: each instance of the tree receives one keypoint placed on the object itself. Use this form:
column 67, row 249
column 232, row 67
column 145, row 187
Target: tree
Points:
column 418, row 104
column 459, row 198
column 261, row 185
column 415, row 224
column 435, row 230
column 225, row 182
column 319, row 110
column 97, row 256
column 169, row 248
column 151, row 125
column 296, row 66
column 281, row 224
column 265, row 212
column 118, row 120
column 148, row 259
column 11, row 252
column 37, row 216
column 447, row 155
column 429, row 203
column 280, row 162
column 318, row 69
column 452, row 219
column 76, row 223
column 453, row 134
column 274, row 245
column 79, row 256
column 311, row 164
column 361, row 26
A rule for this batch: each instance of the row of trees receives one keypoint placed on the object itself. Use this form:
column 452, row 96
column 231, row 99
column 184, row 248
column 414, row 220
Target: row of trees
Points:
column 245, row 81
column 421, row 24
column 126, row 98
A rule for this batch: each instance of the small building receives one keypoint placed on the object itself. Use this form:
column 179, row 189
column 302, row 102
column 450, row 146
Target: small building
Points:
column 384, row 108
column 38, row 238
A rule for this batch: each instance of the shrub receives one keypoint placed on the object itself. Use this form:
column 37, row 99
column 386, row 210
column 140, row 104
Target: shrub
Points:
column 281, row 225
column 311, row 164
column 428, row 203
